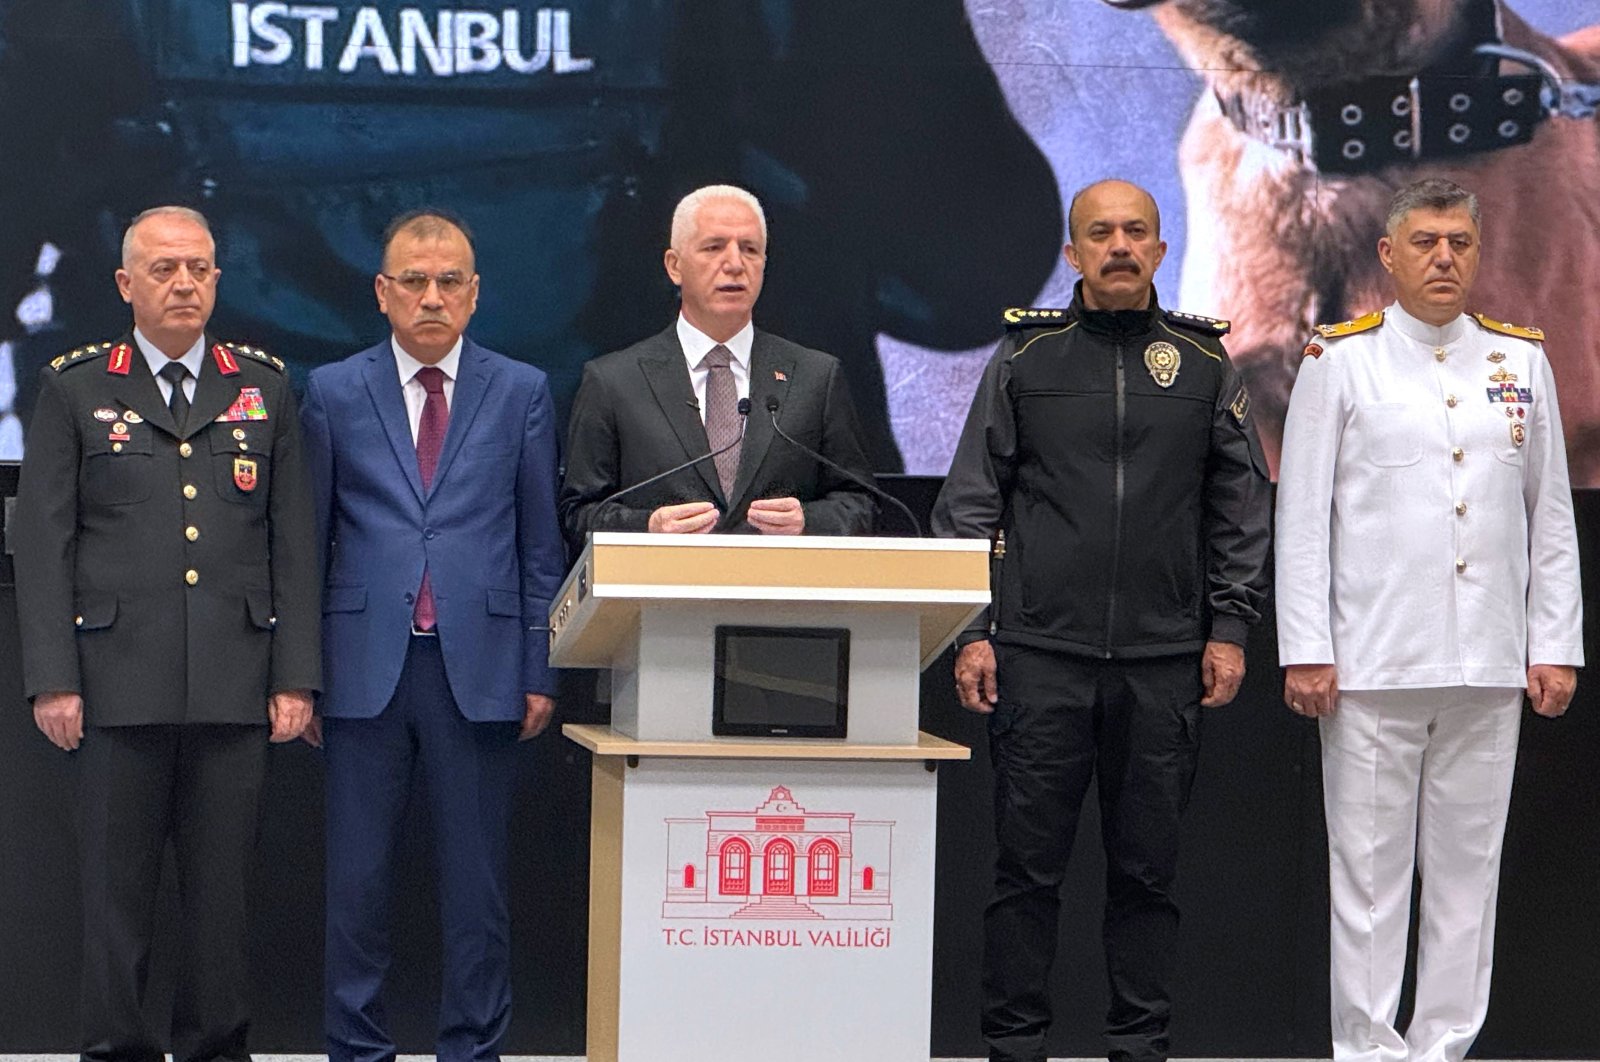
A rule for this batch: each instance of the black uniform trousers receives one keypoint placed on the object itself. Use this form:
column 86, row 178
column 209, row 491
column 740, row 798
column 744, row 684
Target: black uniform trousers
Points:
column 200, row 785
column 1061, row 720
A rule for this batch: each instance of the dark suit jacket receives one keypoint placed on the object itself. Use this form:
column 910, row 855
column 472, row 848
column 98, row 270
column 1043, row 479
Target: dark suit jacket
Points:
column 486, row 530
column 156, row 606
column 635, row 416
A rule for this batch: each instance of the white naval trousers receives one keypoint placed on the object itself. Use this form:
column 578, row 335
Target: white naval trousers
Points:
column 1416, row 779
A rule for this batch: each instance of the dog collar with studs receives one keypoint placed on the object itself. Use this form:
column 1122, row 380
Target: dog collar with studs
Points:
column 1449, row 111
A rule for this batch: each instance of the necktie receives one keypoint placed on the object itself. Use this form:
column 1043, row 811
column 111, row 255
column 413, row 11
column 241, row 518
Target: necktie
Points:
column 722, row 414
column 175, row 372
column 430, row 440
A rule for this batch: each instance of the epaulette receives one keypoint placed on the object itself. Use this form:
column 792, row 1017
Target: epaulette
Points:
column 1350, row 328
column 1195, row 323
column 257, row 354
column 79, row 356
column 1020, row 317
column 1536, row 334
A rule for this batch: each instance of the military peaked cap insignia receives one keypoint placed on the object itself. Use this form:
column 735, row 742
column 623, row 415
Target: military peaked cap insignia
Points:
column 79, row 356
column 1210, row 326
column 1019, row 317
column 1350, row 328
column 257, row 354
column 1536, row 334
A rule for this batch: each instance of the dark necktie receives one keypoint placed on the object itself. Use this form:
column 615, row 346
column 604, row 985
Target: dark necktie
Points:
column 722, row 415
column 430, row 440
column 175, row 372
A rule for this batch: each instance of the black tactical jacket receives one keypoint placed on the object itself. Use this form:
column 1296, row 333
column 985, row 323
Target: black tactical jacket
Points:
column 1116, row 454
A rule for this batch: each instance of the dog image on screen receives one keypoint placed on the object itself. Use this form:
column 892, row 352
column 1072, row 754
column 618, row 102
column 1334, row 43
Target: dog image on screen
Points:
column 1316, row 112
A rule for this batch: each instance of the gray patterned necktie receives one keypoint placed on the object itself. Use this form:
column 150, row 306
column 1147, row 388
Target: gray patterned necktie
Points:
column 722, row 414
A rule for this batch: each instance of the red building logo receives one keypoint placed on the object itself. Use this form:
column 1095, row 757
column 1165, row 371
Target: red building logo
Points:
column 779, row 861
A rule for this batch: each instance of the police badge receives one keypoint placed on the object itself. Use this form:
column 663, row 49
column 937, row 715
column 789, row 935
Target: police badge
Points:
column 1162, row 361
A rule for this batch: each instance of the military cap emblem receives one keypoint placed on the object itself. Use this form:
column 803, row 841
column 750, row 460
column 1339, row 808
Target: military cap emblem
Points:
column 1162, row 359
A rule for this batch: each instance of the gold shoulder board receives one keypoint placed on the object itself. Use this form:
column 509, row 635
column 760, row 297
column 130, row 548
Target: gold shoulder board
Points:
column 1350, row 328
column 1194, row 322
column 79, row 356
column 1535, row 334
column 256, row 354
column 1019, row 317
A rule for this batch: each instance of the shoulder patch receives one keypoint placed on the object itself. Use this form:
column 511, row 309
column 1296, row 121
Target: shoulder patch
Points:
column 1019, row 317
column 257, row 354
column 1521, row 332
column 1210, row 326
column 1350, row 328
column 79, row 356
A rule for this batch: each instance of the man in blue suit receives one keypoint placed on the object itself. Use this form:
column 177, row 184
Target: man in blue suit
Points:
column 434, row 470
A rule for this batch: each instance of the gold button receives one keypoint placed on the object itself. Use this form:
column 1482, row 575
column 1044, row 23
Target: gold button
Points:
column 185, row 450
column 244, row 446
column 1461, row 565
column 1451, row 401
column 116, row 448
column 77, row 621
column 1461, row 508
column 1438, row 354
column 189, row 491
column 238, row 433
column 191, row 533
column 1458, row 453
column 191, row 577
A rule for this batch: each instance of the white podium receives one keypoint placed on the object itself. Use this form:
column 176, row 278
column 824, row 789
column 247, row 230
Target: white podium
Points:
column 757, row 897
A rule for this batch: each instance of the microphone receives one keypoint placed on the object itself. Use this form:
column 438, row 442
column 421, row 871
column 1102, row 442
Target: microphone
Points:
column 772, row 408
column 744, row 412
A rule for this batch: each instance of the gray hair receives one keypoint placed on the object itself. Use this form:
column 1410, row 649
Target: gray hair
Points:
column 688, row 210
column 187, row 213
column 1431, row 193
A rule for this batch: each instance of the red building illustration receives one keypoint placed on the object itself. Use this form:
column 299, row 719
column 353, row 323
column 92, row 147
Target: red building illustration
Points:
column 779, row 860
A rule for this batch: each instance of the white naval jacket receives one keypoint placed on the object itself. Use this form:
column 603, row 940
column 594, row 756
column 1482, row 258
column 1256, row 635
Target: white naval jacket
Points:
column 1424, row 526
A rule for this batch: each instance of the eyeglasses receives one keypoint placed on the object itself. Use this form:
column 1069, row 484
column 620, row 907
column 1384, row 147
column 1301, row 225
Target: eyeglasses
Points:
column 417, row 283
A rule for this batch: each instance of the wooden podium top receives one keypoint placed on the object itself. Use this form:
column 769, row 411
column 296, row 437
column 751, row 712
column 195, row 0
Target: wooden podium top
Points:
column 945, row 581
column 603, row 741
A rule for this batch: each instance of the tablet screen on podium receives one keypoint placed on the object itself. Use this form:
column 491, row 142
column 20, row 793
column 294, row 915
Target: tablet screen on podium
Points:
column 781, row 682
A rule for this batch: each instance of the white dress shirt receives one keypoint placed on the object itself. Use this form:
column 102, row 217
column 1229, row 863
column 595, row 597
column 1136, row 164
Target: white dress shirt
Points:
column 411, row 387
column 194, row 360
column 696, row 345
column 1425, row 534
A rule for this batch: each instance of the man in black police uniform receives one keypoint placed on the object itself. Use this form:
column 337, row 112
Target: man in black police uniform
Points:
column 1110, row 444
column 167, row 591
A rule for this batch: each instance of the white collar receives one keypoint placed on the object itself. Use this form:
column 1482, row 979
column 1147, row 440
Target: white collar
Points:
column 407, row 365
column 193, row 359
column 696, row 344
column 1423, row 332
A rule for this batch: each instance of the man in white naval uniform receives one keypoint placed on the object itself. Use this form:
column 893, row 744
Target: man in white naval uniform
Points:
column 1427, row 573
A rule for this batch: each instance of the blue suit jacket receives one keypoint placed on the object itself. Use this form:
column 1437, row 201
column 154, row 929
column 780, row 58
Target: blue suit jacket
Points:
column 487, row 531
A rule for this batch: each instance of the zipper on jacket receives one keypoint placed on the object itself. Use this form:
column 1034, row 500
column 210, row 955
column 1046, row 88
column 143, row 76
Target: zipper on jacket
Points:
column 1116, row 522
column 997, row 557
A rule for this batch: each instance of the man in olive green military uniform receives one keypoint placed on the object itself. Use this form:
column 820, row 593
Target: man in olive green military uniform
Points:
column 168, row 596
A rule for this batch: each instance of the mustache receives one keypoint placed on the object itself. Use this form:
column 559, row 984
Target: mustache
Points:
column 1120, row 265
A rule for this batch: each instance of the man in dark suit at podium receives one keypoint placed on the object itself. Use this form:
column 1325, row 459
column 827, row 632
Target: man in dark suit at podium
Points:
column 433, row 468
column 713, row 385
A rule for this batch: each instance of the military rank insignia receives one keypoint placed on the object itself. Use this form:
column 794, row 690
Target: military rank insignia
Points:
column 1162, row 360
column 120, row 360
column 224, row 359
column 244, row 473
column 1241, row 406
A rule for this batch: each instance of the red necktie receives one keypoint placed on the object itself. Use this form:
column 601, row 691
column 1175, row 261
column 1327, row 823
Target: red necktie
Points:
column 430, row 440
